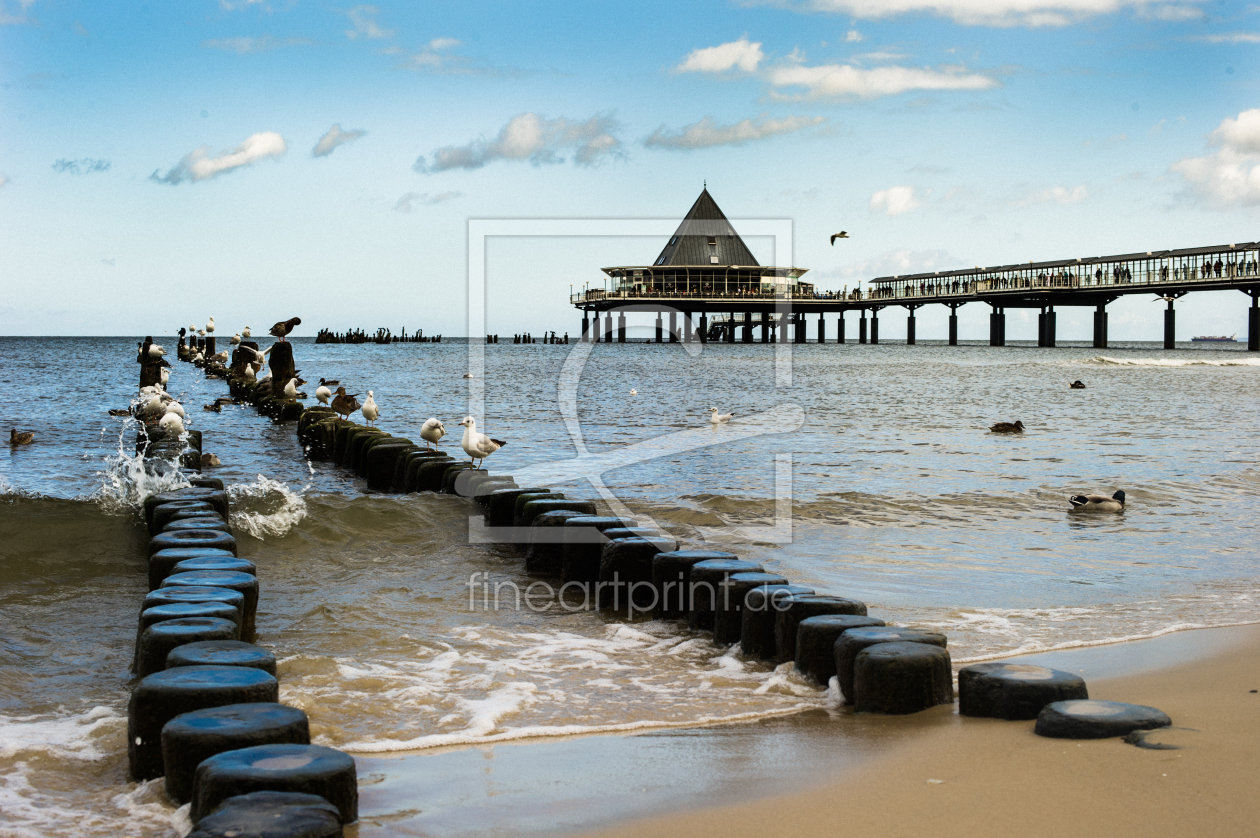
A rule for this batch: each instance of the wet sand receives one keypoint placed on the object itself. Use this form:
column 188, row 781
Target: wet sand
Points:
column 810, row 773
column 982, row 777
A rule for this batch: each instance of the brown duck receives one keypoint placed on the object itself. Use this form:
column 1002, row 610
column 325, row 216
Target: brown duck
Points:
column 24, row 438
column 345, row 405
column 282, row 329
column 1007, row 427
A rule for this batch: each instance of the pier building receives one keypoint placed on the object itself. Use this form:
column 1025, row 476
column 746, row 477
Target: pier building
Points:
column 708, row 275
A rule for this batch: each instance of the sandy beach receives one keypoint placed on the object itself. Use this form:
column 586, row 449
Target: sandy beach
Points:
column 951, row 775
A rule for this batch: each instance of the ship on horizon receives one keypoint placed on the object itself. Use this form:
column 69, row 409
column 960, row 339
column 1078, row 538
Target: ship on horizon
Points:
column 1213, row 339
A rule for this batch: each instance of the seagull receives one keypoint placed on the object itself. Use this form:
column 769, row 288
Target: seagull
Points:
column 210, row 325
column 24, row 438
column 172, row 423
column 221, row 357
column 841, row 235
column 478, row 445
column 177, row 409
column 192, row 330
column 1007, row 427
column 249, row 372
column 323, row 393
column 281, row 329
column 201, row 333
column 166, row 376
column 245, row 332
column 156, row 351
column 634, row 392
column 1098, row 503
column 236, row 339
column 345, row 405
column 432, row 431
column 468, row 375
column 290, row 389
column 1077, row 385
column 716, row 418
column 370, row 411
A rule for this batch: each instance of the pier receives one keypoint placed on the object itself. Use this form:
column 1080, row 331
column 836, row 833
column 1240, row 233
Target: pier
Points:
column 707, row 275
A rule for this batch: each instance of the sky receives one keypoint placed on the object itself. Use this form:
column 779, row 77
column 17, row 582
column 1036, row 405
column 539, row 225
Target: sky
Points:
column 253, row 160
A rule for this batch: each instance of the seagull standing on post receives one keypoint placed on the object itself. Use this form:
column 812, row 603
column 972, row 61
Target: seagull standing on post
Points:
column 478, row 445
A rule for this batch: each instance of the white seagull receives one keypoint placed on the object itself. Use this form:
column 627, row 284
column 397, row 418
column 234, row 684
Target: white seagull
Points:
column 249, row 373
column 1098, row 503
column 245, row 332
column 323, row 394
column 156, row 351
column 478, row 445
column 716, row 418
column 172, row 423
column 634, row 392
column 177, row 409
column 166, row 376
column 236, row 339
column 432, row 431
column 370, row 411
column 290, row 389
column 210, row 325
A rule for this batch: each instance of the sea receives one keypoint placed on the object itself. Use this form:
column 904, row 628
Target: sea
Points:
column 867, row 471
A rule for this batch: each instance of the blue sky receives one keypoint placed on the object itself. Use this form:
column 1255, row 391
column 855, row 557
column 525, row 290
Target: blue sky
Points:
column 161, row 163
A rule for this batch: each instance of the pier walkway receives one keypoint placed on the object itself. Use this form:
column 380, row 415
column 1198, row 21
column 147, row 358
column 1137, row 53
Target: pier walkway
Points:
column 780, row 312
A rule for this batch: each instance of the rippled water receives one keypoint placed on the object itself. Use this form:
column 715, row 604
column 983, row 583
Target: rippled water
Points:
column 897, row 495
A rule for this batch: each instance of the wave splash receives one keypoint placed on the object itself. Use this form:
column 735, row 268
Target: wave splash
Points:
column 266, row 508
column 1104, row 360
column 129, row 478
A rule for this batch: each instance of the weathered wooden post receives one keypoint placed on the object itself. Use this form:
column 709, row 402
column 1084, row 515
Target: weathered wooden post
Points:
column 283, row 369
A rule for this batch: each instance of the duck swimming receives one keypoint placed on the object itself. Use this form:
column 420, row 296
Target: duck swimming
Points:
column 1007, row 427
column 1077, row 385
column 24, row 438
column 1098, row 503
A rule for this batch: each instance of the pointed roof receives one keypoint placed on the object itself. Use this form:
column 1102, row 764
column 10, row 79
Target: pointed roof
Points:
column 705, row 222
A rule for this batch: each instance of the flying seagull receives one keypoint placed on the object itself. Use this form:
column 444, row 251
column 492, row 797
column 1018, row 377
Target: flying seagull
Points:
column 841, row 235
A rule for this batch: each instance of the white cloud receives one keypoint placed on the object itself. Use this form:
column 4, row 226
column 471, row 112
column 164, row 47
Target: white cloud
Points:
column 7, row 19
column 1229, row 38
column 835, row 81
column 742, row 54
column 433, row 57
column 707, row 133
column 199, row 165
column 3, row 181
column 1230, row 176
column 244, row 45
column 534, row 138
column 1033, row 13
column 363, row 18
column 1056, row 195
column 853, row 37
column 333, row 138
column 86, row 166
column 894, row 200
column 407, row 202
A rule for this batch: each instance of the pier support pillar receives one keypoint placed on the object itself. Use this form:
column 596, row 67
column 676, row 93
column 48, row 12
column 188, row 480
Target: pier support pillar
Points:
column 748, row 327
column 608, row 328
column 621, row 328
column 1051, row 318
column 1253, row 323
column 704, row 327
column 765, row 327
column 953, row 325
column 910, row 328
column 800, row 328
column 586, row 328
column 660, row 329
column 997, row 327
column 862, row 327
column 1170, row 327
column 875, row 326
column 840, row 328
column 673, row 327
column 822, row 328
column 1100, row 327
column 730, row 331
column 1041, row 328
column 688, row 334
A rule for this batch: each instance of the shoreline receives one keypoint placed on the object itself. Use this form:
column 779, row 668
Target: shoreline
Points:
column 978, row 777
column 747, row 778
